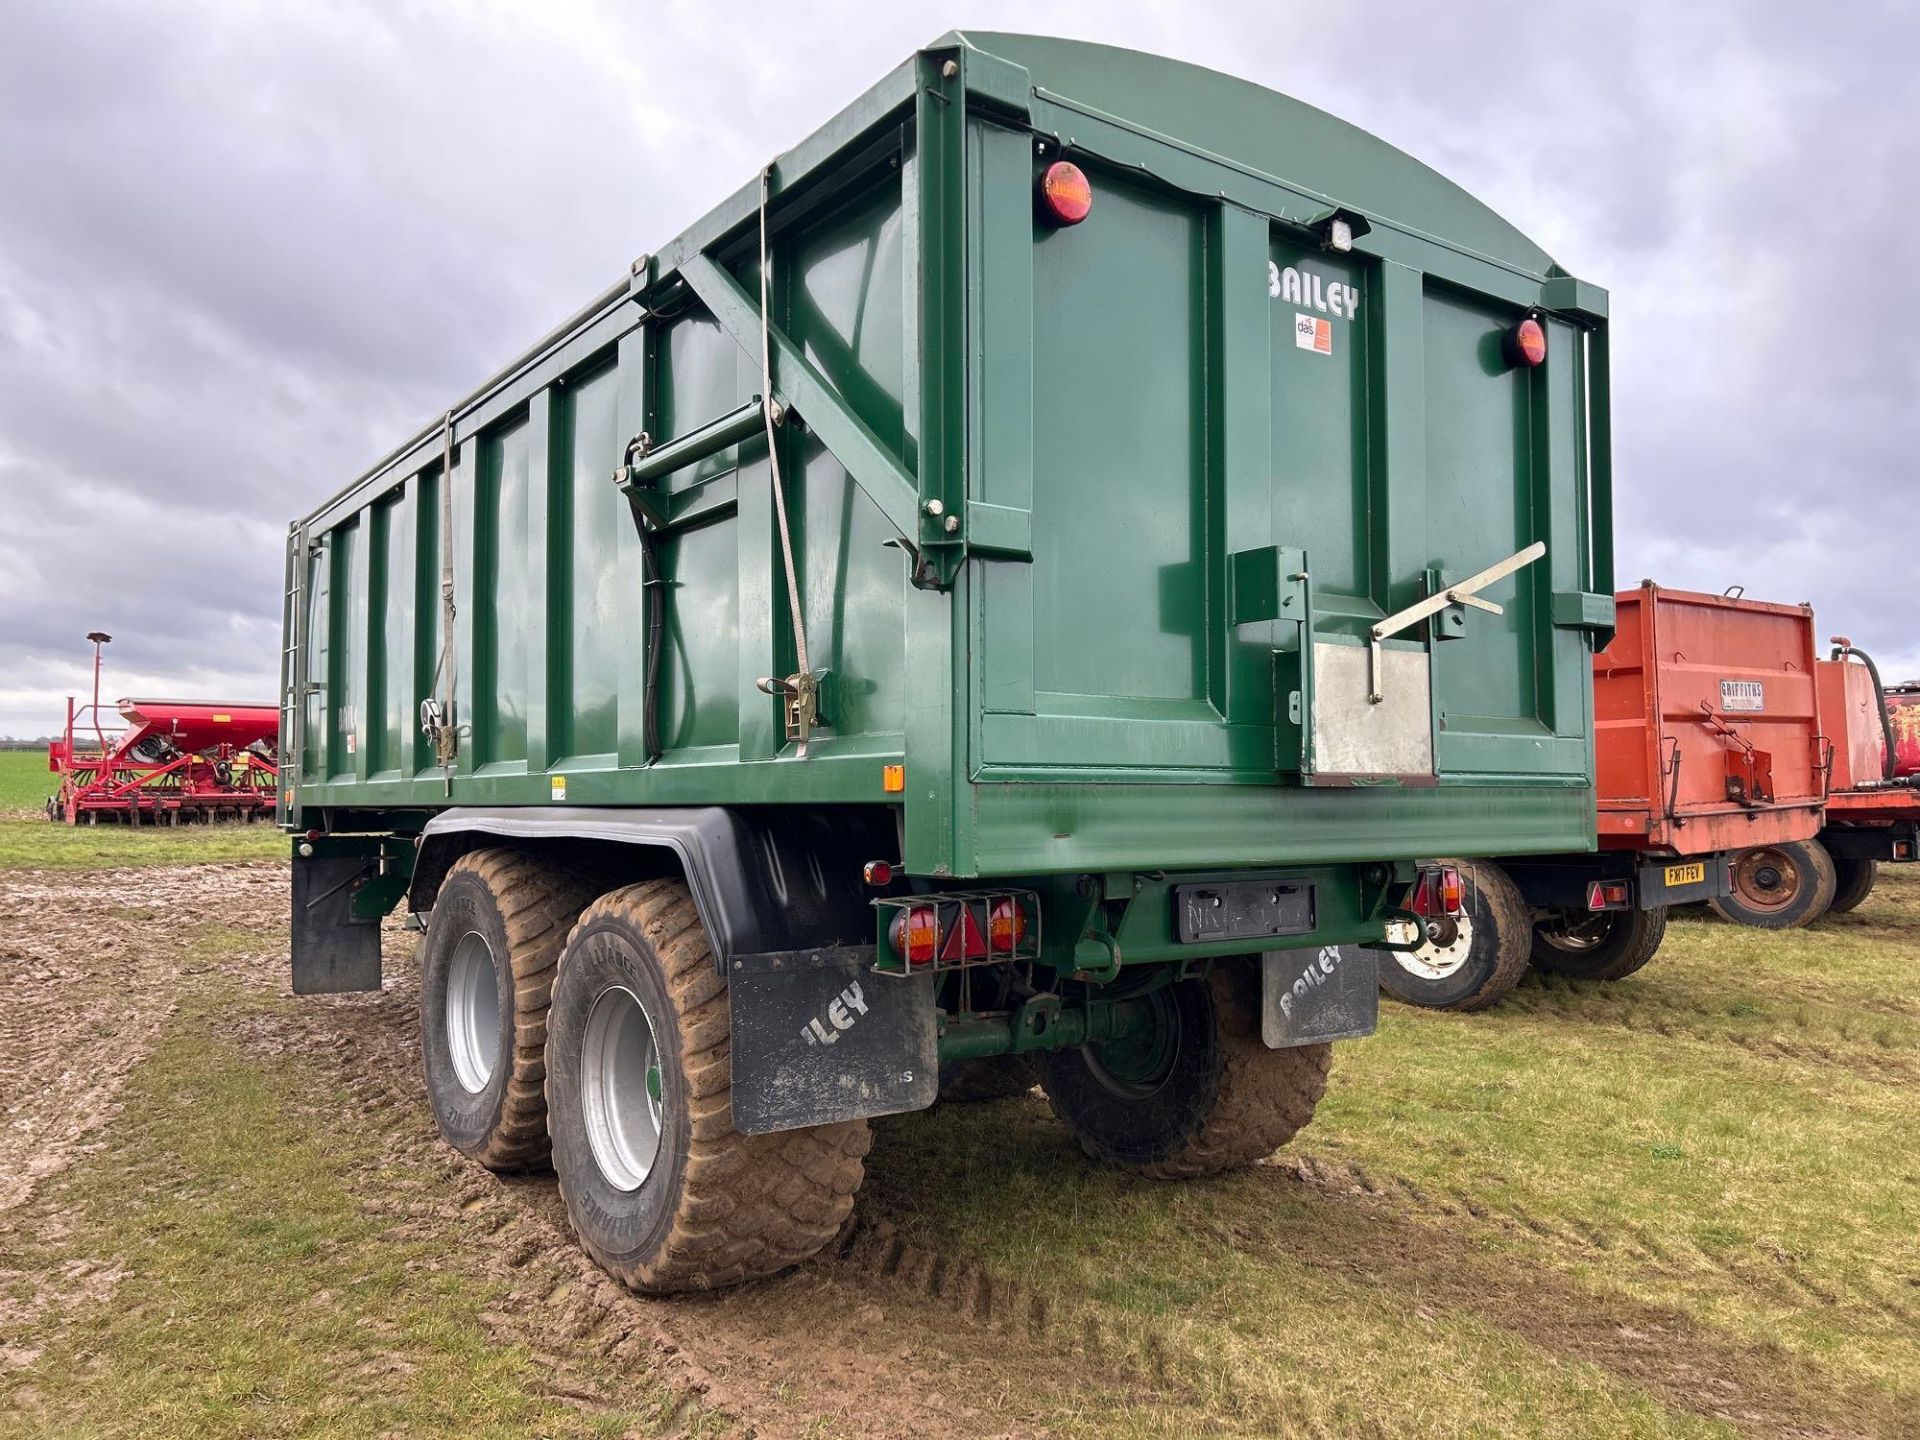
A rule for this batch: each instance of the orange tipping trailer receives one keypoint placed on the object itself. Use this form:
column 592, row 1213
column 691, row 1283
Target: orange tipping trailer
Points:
column 1707, row 724
column 1873, row 808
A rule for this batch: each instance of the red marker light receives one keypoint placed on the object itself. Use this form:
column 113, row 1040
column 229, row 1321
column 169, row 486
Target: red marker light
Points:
column 1062, row 195
column 1526, row 343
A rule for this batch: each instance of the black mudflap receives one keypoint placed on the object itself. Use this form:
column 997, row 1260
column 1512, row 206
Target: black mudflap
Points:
column 334, row 950
column 818, row 1037
column 1311, row 996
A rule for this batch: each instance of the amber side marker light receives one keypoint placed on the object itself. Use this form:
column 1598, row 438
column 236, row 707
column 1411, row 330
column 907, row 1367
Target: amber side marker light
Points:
column 1062, row 195
column 1526, row 343
column 893, row 778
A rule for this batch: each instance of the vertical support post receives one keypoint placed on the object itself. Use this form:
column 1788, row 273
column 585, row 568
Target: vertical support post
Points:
column 541, row 473
column 417, row 756
column 469, row 540
column 1000, row 435
column 1240, row 675
column 634, row 413
column 370, row 582
column 1400, row 547
column 766, row 634
column 940, row 697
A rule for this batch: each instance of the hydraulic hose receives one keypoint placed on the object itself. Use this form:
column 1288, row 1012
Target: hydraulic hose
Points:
column 1841, row 650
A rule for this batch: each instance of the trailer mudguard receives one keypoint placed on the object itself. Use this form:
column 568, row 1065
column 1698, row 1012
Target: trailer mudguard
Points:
column 818, row 1037
column 764, row 878
column 336, row 946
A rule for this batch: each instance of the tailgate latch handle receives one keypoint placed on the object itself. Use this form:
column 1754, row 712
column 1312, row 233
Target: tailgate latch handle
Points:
column 1464, row 593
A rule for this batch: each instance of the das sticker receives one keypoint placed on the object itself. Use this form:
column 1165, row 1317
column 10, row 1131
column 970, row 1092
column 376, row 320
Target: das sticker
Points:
column 1311, row 332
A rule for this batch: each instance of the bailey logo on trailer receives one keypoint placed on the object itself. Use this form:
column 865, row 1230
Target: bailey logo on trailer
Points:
column 840, row 1016
column 1303, row 287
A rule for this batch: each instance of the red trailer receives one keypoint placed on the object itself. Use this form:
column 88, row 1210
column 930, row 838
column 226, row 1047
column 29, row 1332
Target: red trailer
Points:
column 1873, row 807
column 165, row 762
column 1710, row 781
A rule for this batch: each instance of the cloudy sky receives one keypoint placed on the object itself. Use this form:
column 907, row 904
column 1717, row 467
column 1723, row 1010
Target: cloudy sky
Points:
column 245, row 248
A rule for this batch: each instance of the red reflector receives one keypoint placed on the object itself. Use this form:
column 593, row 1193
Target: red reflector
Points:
column 877, row 872
column 915, row 934
column 1608, row 895
column 1527, row 343
column 964, row 940
column 1062, row 193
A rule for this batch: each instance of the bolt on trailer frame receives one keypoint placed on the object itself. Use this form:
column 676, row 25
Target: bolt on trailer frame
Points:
column 1012, row 616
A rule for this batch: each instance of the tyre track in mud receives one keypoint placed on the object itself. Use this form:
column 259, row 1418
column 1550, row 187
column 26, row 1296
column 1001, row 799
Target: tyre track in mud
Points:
column 1884, row 1052
column 1675, row 1259
column 1760, row 1388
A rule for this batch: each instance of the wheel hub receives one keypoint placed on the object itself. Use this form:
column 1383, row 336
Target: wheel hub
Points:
column 1577, row 931
column 473, row 1012
column 620, row 1088
column 1136, row 1064
column 1449, row 943
column 1766, row 879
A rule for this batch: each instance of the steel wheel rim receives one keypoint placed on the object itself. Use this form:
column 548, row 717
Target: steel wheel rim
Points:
column 1449, row 943
column 1136, row 1067
column 620, row 1088
column 1767, row 879
column 473, row 1012
column 1578, row 936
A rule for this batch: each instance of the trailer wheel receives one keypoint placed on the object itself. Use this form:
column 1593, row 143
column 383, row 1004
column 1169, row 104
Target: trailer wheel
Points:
column 1597, row 945
column 1853, row 881
column 662, row 1190
column 991, row 1077
column 1198, row 1093
column 1779, row 887
column 1470, row 960
column 486, row 968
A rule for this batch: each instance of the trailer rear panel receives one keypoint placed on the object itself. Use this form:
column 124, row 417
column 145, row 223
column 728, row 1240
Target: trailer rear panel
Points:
column 1707, row 723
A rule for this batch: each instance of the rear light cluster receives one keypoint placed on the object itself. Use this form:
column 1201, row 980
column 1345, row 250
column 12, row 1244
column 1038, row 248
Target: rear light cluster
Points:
column 946, row 931
column 1438, row 891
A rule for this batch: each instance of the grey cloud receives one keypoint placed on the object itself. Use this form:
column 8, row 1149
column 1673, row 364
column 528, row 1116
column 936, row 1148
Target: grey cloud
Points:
column 244, row 249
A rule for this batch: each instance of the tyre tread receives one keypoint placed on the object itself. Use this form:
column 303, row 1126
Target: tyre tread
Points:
column 750, row 1205
column 537, row 904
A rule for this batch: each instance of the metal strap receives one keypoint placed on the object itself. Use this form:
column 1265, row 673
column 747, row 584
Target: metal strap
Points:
column 446, row 736
column 771, row 411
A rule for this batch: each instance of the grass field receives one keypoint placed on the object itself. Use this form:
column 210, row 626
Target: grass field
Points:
column 25, row 781
column 29, row 841
column 1684, row 1204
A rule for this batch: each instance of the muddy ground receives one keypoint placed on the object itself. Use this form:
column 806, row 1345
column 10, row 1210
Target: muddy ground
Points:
column 879, row 1337
column 97, row 962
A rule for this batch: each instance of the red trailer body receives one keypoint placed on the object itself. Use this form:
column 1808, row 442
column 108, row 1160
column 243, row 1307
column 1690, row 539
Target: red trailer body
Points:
column 1707, row 724
column 175, row 760
column 1903, row 708
column 1869, row 817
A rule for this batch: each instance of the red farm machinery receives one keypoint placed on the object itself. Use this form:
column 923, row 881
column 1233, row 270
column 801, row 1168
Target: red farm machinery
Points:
column 163, row 762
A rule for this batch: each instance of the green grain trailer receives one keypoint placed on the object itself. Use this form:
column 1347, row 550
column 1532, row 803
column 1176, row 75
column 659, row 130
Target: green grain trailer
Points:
column 1008, row 592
